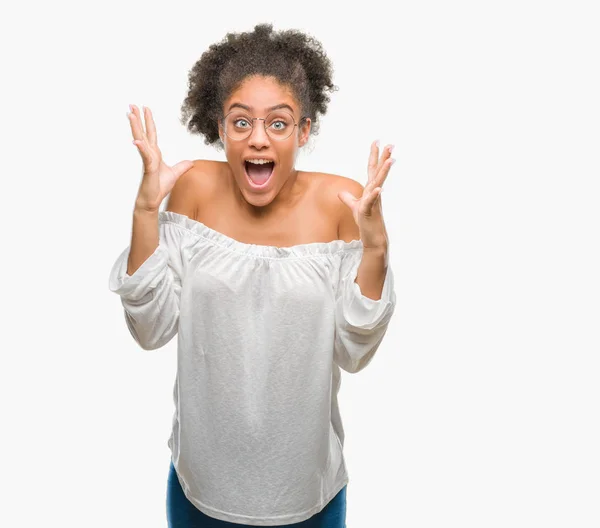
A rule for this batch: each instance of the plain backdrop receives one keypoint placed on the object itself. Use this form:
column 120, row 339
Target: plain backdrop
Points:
column 481, row 407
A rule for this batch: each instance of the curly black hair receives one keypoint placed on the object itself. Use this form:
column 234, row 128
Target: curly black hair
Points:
column 295, row 59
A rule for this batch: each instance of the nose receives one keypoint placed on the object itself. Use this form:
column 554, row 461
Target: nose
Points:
column 258, row 137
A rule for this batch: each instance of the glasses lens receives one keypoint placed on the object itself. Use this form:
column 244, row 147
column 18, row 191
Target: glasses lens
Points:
column 237, row 125
column 279, row 125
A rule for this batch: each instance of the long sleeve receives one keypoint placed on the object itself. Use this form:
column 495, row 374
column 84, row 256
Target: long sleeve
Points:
column 360, row 322
column 150, row 297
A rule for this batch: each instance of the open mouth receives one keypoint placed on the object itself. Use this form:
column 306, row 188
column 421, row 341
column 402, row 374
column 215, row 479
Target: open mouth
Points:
column 258, row 174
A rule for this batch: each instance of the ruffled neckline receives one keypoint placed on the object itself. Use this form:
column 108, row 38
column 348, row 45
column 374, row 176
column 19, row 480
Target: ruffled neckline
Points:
column 220, row 239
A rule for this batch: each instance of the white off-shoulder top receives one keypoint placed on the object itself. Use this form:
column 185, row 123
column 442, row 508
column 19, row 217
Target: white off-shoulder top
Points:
column 262, row 332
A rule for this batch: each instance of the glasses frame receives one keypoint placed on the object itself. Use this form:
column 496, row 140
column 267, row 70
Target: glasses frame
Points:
column 263, row 119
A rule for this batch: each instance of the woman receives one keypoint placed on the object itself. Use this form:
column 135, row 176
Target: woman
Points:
column 272, row 278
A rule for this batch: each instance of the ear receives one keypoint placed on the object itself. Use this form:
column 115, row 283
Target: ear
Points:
column 304, row 132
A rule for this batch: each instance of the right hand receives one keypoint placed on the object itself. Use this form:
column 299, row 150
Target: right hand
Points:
column 158, row 178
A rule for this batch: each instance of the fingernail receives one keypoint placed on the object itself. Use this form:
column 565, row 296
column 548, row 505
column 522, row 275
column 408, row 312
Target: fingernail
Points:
column 391, row 147
column 377, row 143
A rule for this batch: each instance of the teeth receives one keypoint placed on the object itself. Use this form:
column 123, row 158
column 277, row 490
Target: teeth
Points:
column 259, row 161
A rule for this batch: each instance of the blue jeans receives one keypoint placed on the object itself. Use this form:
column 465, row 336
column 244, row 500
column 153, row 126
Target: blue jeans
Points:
column 181, row 513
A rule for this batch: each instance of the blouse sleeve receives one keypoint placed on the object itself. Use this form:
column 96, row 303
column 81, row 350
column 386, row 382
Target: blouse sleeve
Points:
column 150, row 297
column 361, row 322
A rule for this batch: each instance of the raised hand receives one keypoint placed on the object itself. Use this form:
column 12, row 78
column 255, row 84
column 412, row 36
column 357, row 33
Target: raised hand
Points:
column 158, row 177
column 366, row 209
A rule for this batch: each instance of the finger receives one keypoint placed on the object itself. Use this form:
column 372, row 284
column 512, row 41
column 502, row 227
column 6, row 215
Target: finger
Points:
column 387, row 152
column 134, row 121
column 373, row 157
column 375, row 178
column 150, row 126
column 347, row 198
column 383, row 172
column 371, row 199
column 140, row 119
column 143, row 150
column 378, row 197
column 182, row 167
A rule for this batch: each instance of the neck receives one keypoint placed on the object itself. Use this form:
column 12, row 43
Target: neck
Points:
column 285, row 199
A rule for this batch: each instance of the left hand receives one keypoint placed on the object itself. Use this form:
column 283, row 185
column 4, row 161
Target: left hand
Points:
column 366, row 210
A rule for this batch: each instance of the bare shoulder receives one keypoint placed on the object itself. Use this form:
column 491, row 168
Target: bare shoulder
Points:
column 197, row 183
column 336, row 183
column 329, row 185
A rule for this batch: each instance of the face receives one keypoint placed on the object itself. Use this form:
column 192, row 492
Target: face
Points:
column 257, row 97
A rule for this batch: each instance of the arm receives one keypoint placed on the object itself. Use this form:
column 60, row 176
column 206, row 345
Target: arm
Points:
column 360, row 322
column 148, row 274
column 374, row 263
column 144, row 238
column 365, row 297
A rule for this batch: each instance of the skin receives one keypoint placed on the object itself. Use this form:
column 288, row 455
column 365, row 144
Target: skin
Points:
column 259, row 94
column 219, row 195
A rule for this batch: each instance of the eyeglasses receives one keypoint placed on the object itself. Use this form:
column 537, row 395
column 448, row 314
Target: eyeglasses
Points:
column 279, row 125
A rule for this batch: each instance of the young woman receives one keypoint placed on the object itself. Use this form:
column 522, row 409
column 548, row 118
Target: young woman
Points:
column 272, row 278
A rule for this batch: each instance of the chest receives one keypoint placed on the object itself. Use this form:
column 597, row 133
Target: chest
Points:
column 308, row 223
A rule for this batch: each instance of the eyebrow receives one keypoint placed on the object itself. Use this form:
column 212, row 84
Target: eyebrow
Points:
column 249, row 108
